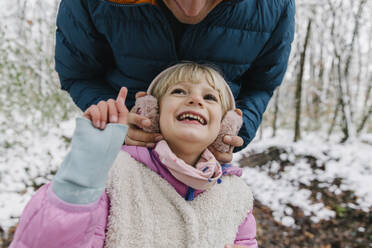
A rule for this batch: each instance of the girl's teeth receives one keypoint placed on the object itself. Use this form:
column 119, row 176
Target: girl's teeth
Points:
column 192, row 116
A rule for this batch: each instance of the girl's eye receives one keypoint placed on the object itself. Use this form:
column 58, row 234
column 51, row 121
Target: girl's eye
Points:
column 178, row 91
column 210, row 97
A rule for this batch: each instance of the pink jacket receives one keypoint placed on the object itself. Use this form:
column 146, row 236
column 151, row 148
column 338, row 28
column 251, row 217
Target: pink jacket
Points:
column 47, row 221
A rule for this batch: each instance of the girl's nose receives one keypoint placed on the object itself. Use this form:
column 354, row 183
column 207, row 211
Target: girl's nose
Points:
column 195, row 100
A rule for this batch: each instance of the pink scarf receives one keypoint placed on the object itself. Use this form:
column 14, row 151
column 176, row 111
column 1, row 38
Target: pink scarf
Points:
column 205, row 174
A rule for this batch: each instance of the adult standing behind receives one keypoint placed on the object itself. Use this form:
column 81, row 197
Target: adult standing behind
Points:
column 103, row 45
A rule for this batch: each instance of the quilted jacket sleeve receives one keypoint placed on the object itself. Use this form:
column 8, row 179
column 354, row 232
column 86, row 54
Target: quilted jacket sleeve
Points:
column 48, row 221
column 82, row 55
column 265, row 74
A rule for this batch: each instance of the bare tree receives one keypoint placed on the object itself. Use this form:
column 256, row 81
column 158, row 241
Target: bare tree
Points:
column 298, row 96
column 276, row 111
column 344, row 53
column 367, row 111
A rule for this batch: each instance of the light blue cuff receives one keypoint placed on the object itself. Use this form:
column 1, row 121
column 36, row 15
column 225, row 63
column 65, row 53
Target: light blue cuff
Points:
column 82, row 176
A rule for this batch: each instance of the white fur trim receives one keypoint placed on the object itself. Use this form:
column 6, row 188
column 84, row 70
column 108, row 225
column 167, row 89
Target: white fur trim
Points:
column 146, row 211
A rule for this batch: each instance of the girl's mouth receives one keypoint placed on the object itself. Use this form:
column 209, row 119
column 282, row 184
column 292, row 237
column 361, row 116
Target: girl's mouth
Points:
column 192, row 117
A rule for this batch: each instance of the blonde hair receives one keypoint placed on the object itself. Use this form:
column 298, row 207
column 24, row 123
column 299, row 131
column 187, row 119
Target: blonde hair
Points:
column 194, row 73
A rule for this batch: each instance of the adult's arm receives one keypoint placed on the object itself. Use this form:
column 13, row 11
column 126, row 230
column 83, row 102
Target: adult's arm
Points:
column 82, row 55
column 265, row 74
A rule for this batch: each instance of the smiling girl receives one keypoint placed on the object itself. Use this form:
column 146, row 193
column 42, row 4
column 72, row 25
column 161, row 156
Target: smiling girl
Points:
column 174, row 195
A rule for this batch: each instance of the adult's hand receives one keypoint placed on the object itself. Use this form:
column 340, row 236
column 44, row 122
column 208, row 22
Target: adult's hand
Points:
column 226, row 157
column 136, row 136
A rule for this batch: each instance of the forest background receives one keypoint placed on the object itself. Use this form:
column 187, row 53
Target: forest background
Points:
column 310, row 165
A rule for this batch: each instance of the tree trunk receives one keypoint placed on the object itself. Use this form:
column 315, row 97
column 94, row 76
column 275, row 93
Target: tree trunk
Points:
column 334, row 119
column 367, row 111
column 276, row 111
column 297, row 135
column 317, row 100
column 364, row 120
column 343, row 69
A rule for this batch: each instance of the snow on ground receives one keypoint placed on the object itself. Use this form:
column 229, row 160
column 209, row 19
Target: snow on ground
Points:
column 350, row 161
column 30, row 156
column 27, row 158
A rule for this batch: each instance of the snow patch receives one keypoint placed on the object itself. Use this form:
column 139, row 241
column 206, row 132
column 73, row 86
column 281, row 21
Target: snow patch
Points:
column 349, row 162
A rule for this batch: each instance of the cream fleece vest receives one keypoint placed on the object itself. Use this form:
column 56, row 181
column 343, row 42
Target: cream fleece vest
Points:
column 146, row 211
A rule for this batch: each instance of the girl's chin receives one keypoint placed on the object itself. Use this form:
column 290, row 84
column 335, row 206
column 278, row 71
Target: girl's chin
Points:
column 192, row 136
column 188, row 132
column 187, row 144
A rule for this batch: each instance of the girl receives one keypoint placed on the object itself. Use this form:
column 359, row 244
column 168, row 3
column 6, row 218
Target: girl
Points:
column 104, row 196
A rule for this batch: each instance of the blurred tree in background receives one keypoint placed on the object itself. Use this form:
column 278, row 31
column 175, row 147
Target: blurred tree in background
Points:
column 327, row 88
column 29, row 89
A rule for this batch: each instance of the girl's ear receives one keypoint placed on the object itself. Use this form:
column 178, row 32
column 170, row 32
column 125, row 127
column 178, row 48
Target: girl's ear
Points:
column 148, row 106
column 230, row 125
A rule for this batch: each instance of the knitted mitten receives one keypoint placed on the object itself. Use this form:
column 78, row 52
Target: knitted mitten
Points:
column 230, row 125
column 148, row 106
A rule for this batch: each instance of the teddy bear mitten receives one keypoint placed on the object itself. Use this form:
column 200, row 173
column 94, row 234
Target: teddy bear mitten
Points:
column 230, row 125
column 148, row 106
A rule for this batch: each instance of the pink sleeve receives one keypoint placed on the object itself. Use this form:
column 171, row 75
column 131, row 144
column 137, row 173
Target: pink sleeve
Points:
column 48, row 221
column 246, row 235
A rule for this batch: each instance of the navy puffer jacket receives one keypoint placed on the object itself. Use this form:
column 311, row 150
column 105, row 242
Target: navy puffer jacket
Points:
column 103, row 45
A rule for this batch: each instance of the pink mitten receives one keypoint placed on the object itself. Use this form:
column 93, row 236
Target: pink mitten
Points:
column 231, row 124
column 148, row 106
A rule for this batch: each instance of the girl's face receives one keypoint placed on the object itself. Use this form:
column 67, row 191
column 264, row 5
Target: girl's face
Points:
column 190, row 113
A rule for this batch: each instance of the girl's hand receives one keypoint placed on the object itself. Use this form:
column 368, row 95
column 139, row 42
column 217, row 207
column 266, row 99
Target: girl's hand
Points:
column 136, row 136
column 226, row 157
column 109, row 111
